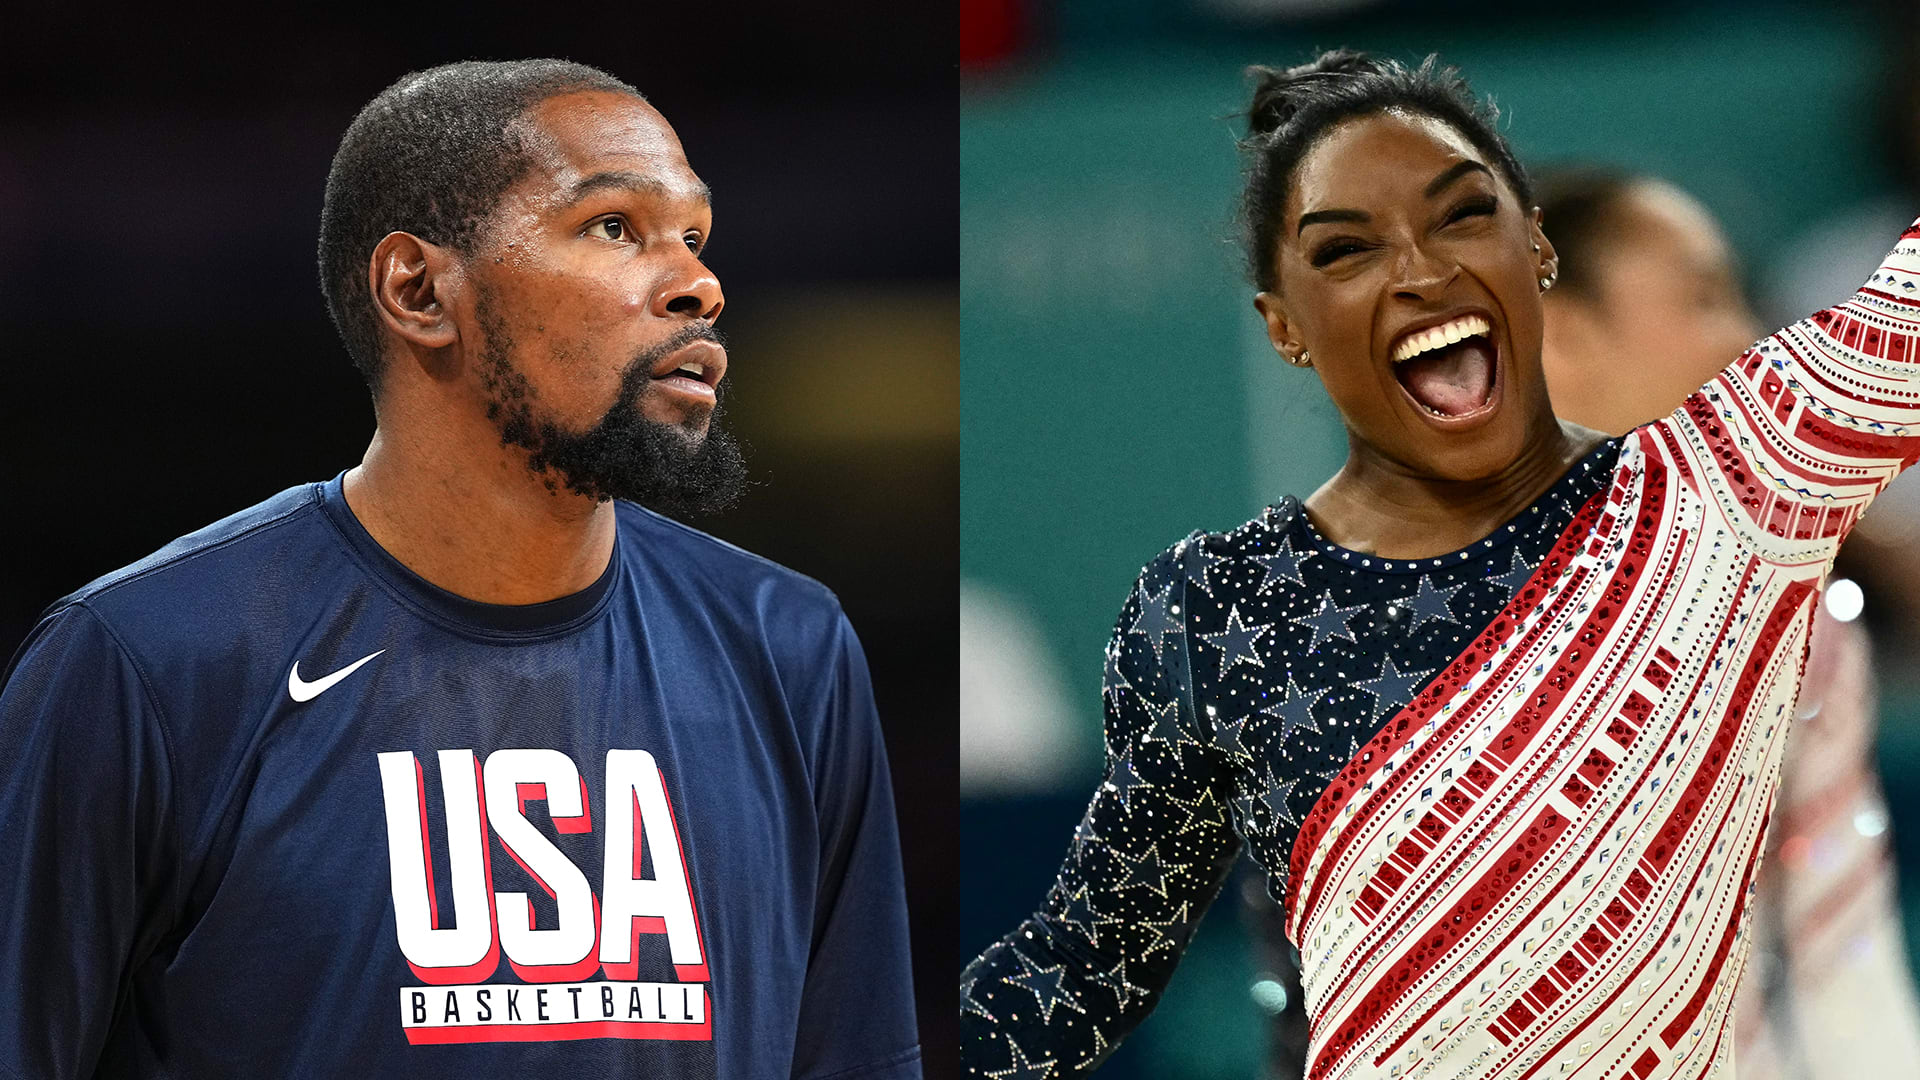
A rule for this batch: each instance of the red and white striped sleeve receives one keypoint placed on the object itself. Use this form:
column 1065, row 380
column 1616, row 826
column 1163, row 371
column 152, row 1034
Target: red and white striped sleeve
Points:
column 1798, row 435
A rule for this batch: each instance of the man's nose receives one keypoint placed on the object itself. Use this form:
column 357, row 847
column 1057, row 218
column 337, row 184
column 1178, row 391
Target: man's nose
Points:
column 693, row 290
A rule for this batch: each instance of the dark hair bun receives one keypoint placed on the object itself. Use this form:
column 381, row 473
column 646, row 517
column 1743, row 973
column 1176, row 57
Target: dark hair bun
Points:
column 1278, row 93
column 1293, row 107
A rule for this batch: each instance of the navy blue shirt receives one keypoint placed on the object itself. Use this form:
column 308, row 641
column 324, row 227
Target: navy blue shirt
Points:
column 277, row 806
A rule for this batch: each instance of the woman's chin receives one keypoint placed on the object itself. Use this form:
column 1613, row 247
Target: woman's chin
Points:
column 1483, row 450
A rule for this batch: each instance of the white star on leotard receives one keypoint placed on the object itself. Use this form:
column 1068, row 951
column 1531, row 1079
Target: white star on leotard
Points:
column 1199, row 563
column 1429, row 604
column 1124, row 780
column 1113, row 680
column 1236, row 643
column 1201, row 811
column 1166, row 932
column 1296, row 711
column 1328, row 621
column 1391, row 689
column 969, row 1005
column 1115, row 980
column 1229, row 737
column 1084, row 836
column 1518, row 572
column 1278, row 792
column 1022, row 1068
column 1282, row 565
column 1046, row 984
column 1166, row 727
column 1078, row 911
column 1154, row 621
column 1150, row 873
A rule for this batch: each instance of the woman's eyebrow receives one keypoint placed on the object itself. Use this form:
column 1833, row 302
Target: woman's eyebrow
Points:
column 1459, row 170
column 1434, row 187
column 1317, row 216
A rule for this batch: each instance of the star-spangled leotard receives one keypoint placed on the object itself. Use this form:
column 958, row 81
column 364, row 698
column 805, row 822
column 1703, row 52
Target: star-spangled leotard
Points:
column 1511, row 798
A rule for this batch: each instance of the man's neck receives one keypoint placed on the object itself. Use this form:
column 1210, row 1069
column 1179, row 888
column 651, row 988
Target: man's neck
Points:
column 481, row 526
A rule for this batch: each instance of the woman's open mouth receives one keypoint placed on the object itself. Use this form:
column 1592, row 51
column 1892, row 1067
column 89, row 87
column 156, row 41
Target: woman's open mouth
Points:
column 1449, row 370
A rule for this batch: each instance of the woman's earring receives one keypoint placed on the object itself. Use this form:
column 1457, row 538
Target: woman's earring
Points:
column 1303, row 360
column 1547, row 282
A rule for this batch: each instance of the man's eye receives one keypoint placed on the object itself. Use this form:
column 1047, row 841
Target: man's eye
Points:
column 608, row 229
column 694, row 242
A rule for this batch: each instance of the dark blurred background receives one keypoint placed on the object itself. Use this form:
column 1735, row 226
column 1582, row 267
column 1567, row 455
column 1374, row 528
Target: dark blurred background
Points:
column 1119, row 391
column 167, row 357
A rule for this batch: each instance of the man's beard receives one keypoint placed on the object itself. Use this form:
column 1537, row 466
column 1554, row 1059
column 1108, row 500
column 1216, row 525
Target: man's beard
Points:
column 669, row 468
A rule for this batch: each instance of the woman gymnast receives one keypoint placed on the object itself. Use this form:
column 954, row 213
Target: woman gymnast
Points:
column 1499, row 708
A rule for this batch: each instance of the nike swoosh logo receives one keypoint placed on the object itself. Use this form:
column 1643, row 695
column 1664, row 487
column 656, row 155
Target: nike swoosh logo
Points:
column 302, row 690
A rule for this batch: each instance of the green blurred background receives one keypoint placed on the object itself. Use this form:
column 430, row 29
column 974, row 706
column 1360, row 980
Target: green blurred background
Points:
column 1117, row 390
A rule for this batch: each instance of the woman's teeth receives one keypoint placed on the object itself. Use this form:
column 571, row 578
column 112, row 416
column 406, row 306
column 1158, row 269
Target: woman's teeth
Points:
column 1435, row 337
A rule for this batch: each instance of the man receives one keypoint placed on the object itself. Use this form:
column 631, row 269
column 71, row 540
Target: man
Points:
column 458, row 764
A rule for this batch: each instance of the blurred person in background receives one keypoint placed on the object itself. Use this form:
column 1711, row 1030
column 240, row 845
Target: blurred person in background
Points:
column 1500, row 708
column 258, row 782
column 1648, row 308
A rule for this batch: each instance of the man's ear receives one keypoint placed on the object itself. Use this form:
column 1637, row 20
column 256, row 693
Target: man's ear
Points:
column 1282, row 333
column 412, row 282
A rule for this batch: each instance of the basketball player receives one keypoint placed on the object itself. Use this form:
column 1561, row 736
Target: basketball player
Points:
column 468, row 762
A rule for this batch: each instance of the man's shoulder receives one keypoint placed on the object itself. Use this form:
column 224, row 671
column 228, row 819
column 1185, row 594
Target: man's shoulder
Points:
column 712, row 564
column 219, row 562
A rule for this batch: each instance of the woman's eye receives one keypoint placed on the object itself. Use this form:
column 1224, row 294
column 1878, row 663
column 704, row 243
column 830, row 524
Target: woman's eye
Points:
column 1477, row 208
column 608, row 229
column 1334, row 251
column 694, row 242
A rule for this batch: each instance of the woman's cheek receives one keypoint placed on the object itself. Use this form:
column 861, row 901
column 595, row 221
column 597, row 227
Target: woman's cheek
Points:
column 1355, row 391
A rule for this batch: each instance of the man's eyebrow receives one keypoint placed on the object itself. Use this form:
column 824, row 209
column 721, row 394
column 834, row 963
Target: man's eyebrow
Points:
column 1459, row 170
column 1318, row 216
column 622, row 180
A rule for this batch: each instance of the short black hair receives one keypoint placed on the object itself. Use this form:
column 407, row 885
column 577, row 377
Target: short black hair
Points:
column 431, row 155
column 1293, row 107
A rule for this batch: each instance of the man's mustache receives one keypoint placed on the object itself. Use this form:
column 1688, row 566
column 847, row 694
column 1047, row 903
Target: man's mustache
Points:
column 680, row 339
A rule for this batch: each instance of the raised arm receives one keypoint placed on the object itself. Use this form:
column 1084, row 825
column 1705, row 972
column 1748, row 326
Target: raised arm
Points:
column 1806, row 427
column 1147, row 859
